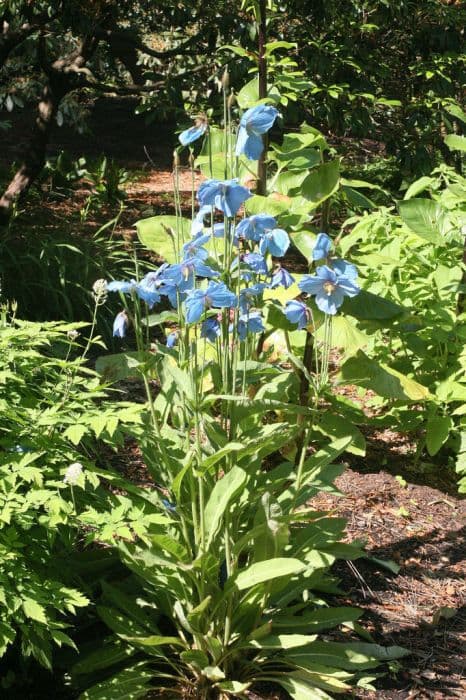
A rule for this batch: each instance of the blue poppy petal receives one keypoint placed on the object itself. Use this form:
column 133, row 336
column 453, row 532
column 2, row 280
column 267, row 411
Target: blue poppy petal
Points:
column 192, row 134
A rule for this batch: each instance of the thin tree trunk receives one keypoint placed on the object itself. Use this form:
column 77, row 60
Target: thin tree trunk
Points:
column 63, row 76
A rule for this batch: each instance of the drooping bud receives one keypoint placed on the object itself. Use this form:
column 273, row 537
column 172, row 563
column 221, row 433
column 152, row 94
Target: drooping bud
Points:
column 231, row 99
column 176, row 159
column 225, row 79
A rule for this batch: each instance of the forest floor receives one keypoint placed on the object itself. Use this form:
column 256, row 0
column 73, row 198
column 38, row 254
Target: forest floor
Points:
column 404, row 514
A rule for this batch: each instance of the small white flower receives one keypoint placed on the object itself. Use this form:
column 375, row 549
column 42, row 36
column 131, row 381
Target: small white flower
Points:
column 73, row 473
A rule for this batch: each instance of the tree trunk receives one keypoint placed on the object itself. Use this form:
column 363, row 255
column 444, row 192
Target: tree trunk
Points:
column 34, row 158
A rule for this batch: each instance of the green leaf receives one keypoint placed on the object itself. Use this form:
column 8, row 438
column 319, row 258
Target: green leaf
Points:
column 120, row 366
column 317, row 620
column 456, row 142
column 322, row 182
column 75, row 433
column 159, row 233
column 304, row 242
column 129, row 684
column 437, row 432
column 426, row 218
column 266, row 571
column 34, row 611
column 153, row 640
column 386, row 382
column 300, row 688
column 351, row 657
column 283, row 641
column 249, row 94
column 366, row 306
column 223, row 493
column 104, row 656
column 345, row 335
column 258, row 204
column 233, row 687
column 338, row 426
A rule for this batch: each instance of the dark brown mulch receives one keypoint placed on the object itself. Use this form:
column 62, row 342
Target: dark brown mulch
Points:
column 423, row 607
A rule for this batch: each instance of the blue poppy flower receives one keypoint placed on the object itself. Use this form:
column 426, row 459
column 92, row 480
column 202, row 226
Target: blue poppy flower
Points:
column 210, row 329
column 297, row 312
column 254, row 122
column 120, row 324
column 194, row 249
column 169, row 506
column 183, row 274
column 322, row 247
column 329, row 288
column 275, row 242
column 253, row 227
column 249, row 295
column 346, row 269
column 250, row 323
column 216, row 295
column 256, row 262
column 193, row 133
column 150, row 296
column 225, row 195
column 172, row 339
column 281, row 278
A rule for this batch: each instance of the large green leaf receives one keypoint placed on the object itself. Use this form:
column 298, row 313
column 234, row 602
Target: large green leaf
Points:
column 366, row 306
column 300, row 688
column 108, row 654
column 283, row 641
column 437, row 432
column 322, row 182
column 304, row 242
column 223, row 493
column 345, row 335
column 124, row 365
column 350, row 657
column 161, row 233
column 426, row 218
column 386, row 382
column 129, row 684
column 267, row 570
column 317, row 620
column 455, row 142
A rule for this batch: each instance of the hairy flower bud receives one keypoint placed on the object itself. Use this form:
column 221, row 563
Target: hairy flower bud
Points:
column 99, row 291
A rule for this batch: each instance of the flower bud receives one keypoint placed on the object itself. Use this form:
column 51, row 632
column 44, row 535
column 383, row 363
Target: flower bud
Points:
column 99, row 291
column 225, row 79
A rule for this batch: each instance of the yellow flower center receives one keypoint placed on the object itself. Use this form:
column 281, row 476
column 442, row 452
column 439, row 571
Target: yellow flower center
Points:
column 329, row 287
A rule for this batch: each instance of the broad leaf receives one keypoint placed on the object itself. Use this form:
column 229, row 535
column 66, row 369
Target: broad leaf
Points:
column 163, row 234
column 322, row 182
column 223, row 493
column 426, row 218
column 266, row 571
column 386, row 382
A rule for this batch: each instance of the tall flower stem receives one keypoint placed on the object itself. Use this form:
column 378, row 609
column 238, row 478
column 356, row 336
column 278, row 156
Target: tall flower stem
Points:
column 262, row 37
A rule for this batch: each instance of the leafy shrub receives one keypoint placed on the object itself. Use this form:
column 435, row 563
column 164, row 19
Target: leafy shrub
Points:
column 50, row 417
column 415, row 258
